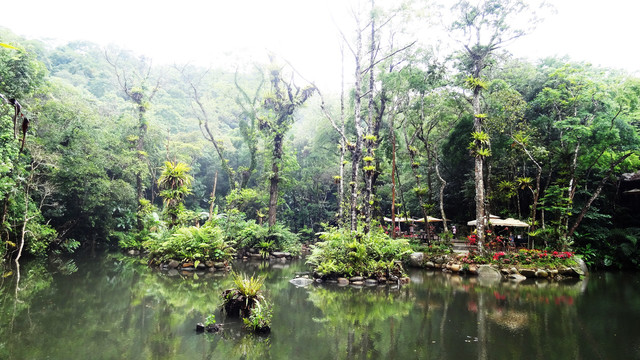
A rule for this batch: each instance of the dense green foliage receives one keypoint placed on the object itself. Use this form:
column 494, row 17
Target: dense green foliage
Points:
column 191, row 244
column 109, row 144
column 342, row 252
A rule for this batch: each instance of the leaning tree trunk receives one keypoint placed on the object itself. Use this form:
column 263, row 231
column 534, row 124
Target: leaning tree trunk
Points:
column 443, row 183
column 595, row 195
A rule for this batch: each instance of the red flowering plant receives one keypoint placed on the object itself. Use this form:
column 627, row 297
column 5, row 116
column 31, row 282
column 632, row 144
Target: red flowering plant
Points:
column 472, row 239
column 473, row 257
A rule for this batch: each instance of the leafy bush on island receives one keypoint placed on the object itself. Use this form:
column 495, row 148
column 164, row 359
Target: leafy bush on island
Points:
column 523, row 258
column 191, row 244
column 342, row 252
column 275, row 238
column 247, row 234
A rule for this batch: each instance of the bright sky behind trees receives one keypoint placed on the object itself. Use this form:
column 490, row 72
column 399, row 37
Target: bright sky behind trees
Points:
column 301, row 31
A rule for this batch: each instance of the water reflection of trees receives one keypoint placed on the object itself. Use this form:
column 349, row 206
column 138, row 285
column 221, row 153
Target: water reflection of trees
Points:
column 117, row 307
column 531, row 319
column 362, row 322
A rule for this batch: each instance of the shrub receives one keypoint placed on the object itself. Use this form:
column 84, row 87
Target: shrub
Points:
column 306, row 234
column 191, row 244
column 275, row 238
column 342, row 252
column 538, row 258
column 473, row 257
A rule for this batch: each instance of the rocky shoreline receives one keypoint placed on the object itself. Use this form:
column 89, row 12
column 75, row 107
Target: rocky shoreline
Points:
column 451, row 263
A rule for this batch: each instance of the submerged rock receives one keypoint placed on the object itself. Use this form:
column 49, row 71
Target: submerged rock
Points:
column 301, row 282
column 200, row 327
column 173, row 272
column 517, row 277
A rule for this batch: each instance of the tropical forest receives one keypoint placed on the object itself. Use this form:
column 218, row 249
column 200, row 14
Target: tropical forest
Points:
column 438, row 200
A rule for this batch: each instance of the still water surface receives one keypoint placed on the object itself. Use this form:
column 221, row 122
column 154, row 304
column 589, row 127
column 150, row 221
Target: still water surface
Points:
column 115, row 307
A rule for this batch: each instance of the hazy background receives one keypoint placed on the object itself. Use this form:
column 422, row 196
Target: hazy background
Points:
column 302, row 31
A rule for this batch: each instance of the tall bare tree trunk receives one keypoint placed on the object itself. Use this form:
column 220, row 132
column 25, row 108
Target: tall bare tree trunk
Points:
column 343, row 143
column 481, row 219
column 356, row 150
column 274, row 179
column 368, row 175
column 393, row 177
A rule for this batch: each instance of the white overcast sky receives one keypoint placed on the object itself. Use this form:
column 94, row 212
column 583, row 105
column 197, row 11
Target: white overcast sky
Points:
column 301, row 31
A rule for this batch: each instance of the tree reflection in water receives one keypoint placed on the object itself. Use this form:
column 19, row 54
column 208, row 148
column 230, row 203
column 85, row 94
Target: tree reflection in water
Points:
column 117, row 307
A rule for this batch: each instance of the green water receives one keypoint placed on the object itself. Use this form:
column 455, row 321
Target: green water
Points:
column 114, row 307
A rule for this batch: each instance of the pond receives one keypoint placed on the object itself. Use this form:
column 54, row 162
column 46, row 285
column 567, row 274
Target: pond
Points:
column 115, row 307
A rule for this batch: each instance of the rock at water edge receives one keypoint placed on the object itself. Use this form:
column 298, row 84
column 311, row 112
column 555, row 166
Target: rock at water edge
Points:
column 416, row 259
column 541, row 273
column 488, row 272
column 581, row 269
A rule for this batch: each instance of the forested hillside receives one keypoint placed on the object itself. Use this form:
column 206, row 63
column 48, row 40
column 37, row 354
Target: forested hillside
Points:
column 103, row 147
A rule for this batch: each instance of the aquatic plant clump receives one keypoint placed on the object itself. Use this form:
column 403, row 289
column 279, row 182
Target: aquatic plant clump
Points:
column 246, row 301
column 259, row 319
column 355, row 253
column 239, row 300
